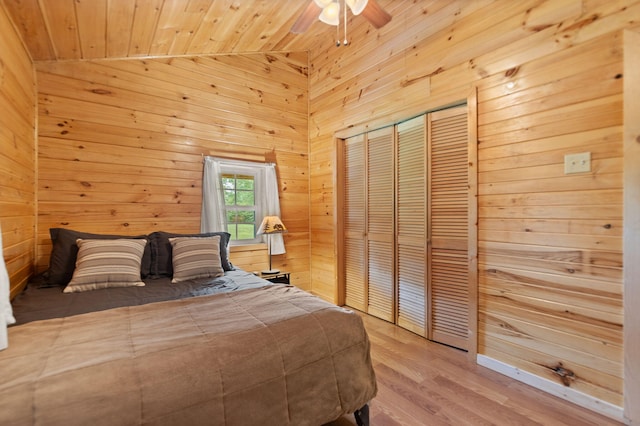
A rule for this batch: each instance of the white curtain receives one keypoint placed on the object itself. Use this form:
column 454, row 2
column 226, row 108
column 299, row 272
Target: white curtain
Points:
column 271, row 205
column 213, row 215
column 6, row 313
column 212, row 218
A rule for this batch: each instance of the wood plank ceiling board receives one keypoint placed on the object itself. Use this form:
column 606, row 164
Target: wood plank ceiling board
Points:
column 61, row 22
column 28, row 17
column 91, row 20
column 83, row 29
column 145, row 21
column 118, row 29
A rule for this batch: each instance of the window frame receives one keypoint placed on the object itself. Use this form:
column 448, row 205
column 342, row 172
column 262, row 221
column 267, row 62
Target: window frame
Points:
column 236, row 170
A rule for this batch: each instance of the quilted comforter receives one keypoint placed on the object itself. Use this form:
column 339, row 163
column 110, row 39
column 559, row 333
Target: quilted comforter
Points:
column 274, row 355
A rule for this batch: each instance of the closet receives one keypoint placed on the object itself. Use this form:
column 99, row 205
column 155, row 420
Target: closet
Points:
column 408, row 222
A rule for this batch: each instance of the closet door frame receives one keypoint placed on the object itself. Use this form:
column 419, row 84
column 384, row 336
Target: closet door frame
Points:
column 454, row 98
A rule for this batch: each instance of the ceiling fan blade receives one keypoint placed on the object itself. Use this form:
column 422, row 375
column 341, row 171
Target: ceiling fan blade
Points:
column 375, row 14
column 307, row 18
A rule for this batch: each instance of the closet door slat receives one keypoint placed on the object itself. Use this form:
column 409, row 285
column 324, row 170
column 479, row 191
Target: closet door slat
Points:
column 408, row 210
column 449, row 276
column 380, row 223
column 411, row 217
column 354, row 226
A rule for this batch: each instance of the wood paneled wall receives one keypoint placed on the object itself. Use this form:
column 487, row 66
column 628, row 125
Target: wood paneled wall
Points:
column 549, row 80
column 121, row 142
column 17, row 155
column 631, row 222
column 120, row 145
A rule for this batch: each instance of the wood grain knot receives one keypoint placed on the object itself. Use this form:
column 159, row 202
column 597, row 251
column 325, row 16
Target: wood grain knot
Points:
column 101, row 91
column 566, row 375
column 511, row 72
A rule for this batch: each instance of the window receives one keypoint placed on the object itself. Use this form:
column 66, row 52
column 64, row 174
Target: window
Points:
column 242, row 202
column 236, row 196
column 240, row 205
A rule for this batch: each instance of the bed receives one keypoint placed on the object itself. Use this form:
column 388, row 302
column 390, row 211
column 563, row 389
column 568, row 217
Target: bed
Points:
column 227, row 348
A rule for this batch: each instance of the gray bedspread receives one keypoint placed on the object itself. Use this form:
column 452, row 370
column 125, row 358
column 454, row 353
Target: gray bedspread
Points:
column 38, row 303
column 269, row 355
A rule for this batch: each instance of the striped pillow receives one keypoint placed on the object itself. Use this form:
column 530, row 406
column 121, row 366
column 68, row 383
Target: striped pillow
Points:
column 107, row 263
column 195, row 257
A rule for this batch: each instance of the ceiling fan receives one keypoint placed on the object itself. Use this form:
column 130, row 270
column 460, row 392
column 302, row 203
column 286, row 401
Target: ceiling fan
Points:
column 328, row 11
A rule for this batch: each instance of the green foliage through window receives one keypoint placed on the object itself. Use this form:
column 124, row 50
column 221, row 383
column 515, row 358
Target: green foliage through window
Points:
column 239, row 200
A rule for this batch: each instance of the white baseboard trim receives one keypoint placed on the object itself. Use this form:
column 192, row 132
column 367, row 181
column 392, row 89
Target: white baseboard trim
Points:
column 556, row 389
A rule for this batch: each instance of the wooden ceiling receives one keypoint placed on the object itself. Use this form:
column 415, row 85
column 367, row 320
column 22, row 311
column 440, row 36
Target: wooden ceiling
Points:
column 90, row 29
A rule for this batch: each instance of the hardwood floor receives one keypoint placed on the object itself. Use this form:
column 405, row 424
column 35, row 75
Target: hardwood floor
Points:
column 425, row 383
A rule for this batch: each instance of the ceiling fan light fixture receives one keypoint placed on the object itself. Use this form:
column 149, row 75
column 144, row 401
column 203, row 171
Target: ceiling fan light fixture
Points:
column 328, row 12
column 322, row 3
column 357, row 6
column 331, row 13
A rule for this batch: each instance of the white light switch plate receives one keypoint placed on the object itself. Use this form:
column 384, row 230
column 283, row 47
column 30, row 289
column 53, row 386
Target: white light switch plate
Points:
column 577, row 163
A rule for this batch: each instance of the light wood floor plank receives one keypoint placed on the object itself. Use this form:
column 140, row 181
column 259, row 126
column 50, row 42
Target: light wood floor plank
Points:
column 425, row 383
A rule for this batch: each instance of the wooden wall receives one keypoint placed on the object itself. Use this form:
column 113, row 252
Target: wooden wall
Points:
column 121, row 142
column 120, row 145
column 549, row 80
column 17, row 155
column 631, row 224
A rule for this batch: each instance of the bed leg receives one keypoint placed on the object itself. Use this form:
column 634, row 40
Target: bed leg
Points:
column 362, row 416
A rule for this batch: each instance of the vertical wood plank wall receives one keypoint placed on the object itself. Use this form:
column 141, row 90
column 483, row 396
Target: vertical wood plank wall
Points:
column 549, row 80
column 17, row 155
column 121, row 142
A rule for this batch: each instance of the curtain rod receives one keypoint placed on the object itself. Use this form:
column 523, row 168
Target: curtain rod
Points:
column 230, row 159
column 265, row 157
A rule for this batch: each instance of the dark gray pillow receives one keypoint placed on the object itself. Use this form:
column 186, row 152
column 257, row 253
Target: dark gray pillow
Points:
column 162, row 251
column 64, row 253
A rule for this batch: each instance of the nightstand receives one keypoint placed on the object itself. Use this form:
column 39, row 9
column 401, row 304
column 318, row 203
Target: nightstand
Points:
column 279, row 277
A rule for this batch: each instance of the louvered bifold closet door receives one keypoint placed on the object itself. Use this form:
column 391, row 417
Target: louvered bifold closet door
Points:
column 354, row 223
column 380, row 223
column 411, row 219
column 449, row 276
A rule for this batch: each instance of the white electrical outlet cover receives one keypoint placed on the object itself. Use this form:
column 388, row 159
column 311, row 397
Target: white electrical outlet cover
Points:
column 577, row 163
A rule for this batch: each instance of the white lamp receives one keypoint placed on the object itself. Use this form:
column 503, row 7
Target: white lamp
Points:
column 271, row 225
column 357, row 6
column 332, row 7
column 330, row 13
